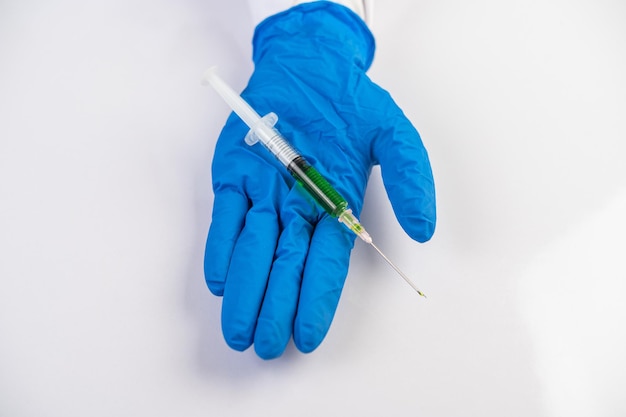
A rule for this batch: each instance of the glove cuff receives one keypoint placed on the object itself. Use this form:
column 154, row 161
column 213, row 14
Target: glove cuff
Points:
column 316, row 28
column 361, row 7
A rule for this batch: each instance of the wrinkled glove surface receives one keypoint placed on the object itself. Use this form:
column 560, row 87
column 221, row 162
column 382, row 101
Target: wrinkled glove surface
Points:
column 277, row 258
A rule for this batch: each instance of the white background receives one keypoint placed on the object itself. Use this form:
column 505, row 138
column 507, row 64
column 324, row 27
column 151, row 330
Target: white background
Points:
column 106, row 139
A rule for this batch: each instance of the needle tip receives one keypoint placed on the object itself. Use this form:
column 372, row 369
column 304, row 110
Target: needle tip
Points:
column 398, row 270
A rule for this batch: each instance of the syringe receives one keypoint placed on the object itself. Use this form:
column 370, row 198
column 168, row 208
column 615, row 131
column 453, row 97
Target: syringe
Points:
column 262, row 130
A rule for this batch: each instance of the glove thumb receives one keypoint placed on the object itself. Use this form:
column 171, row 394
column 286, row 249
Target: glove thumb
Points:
column 408, row 178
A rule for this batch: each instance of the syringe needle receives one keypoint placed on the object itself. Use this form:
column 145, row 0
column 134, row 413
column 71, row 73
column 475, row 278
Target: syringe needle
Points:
column 398, row 271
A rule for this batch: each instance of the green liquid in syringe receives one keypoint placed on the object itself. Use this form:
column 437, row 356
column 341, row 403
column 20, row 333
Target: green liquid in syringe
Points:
column 318, row 187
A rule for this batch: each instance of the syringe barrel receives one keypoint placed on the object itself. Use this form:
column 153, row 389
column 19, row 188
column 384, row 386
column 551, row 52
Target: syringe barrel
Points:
column 320, row 189
column 263, row 131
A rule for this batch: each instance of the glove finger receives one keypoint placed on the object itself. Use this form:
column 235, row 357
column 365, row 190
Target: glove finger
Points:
column 324, row 275
column 408, row 178
column 275, row 324
column 229, row 212
column 247, row 275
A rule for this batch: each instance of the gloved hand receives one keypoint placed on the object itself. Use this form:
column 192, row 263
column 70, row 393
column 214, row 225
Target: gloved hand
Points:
column 277, row 258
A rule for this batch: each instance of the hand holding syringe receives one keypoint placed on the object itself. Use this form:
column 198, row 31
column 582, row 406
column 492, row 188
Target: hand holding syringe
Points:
column 262, row 130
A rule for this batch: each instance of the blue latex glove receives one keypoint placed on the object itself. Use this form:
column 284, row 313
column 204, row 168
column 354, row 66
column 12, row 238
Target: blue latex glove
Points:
column 277, row 258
